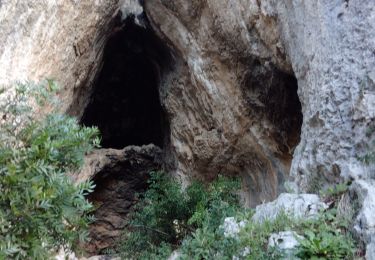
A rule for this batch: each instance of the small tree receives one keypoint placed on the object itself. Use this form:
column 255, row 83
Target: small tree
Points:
column 41, row 209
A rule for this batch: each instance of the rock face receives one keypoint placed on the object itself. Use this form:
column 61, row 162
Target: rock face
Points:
column 231, row 99
column 228, row 54
column 119, row 175
column 331, row 47
column 62, row 40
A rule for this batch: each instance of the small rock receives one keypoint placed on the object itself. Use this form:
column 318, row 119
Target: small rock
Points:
column 245, row 252
column 65, row 255
column 232, row 227
column 175, row 255
column 294, row 205
column 285, row 240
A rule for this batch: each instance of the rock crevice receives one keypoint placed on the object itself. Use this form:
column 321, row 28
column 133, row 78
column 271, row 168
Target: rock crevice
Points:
column 119, row 175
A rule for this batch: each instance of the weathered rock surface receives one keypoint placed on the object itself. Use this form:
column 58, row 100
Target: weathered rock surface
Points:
column 294, row 205
column 57, row 39
column 119, row 175
column 284, row 240
column 228, row 52
column 231, row 99
column 331, row 47
column 231, row 227
column 365, row 220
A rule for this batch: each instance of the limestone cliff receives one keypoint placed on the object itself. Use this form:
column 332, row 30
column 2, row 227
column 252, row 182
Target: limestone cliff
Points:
column 233, row 50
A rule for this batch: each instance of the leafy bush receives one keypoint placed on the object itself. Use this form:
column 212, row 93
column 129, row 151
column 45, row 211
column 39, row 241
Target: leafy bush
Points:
column 167, row 214
column 40, row 208
column 169, row 218
column 335, row 190
column 326, row 238
column 208, row 243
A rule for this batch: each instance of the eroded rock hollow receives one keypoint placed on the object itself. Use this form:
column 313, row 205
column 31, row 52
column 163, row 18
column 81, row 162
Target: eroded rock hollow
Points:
column 120, row 176
column 125, row 102
column 125, row 105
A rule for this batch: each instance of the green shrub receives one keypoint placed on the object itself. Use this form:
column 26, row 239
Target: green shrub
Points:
column 167, row 215
column 41, row 209
column 335, row 190
column 190, row 221
column 208, row 243
column 169, row 218
column 326, row 237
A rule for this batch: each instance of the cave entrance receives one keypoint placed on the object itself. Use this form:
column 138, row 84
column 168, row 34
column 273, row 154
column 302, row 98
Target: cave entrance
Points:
column 272, row 95
column 125, row 103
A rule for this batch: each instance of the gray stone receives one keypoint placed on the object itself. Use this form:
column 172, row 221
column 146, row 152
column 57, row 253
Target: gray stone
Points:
column 294, row 205
column 245, row 252
column 175, row 255
column 370, row 251
column 285, row 240
column 231, row 227
column 365, row 220
column 327, row 45
column 363, row 198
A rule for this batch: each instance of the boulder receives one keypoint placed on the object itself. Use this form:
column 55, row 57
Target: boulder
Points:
column 294, row 205
column 285, row 240
column 231, row 227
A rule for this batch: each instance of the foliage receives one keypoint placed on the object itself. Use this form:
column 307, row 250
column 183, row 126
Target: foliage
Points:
column 369, row 156
column 190, row 220
column 336, row 190
column 208, row 243
column 40, row 208
column 167, row 214
column 326, row 237
column 213, row 244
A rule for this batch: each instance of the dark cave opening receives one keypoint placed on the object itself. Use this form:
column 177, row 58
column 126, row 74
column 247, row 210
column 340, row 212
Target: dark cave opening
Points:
column 125, row 103
column 274, row 94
